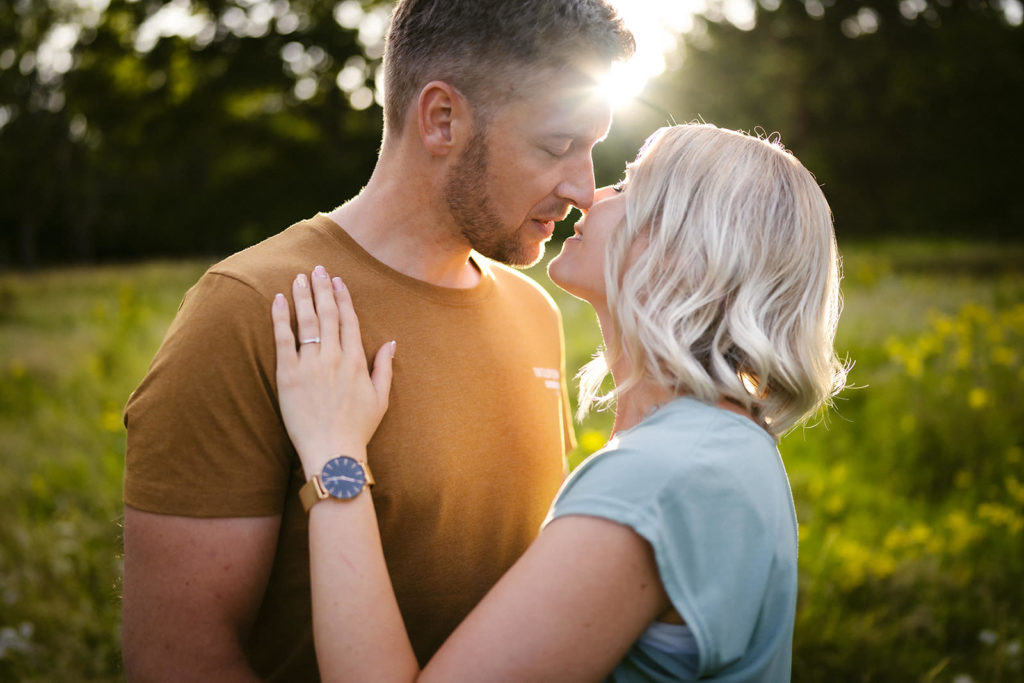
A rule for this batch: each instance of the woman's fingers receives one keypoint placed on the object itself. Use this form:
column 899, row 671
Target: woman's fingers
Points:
column 382, row 371
column 326, row 310
column 284, row 340
column 351, row 341
column 305, row 313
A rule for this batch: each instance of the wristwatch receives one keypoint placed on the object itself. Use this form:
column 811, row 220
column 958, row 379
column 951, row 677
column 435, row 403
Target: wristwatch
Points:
column 343, row 478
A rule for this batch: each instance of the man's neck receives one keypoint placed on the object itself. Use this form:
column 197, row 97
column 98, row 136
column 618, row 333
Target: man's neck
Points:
column 398, row 222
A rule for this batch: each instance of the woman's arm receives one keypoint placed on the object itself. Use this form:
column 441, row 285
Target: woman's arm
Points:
column 331, row 406
column 567, row 611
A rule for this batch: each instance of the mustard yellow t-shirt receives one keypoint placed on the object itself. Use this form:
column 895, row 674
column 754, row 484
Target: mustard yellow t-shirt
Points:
column 467, row 459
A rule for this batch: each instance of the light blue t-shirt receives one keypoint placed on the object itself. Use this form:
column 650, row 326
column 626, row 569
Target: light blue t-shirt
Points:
column 707, row 488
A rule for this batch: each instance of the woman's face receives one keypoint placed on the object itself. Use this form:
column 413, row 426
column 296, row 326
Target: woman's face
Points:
column 579, row 268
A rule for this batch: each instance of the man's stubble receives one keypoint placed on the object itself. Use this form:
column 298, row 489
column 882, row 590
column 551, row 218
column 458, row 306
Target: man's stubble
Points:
column 467, row 194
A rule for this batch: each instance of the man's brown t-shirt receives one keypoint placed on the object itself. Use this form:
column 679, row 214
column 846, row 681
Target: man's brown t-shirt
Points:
column 467, row 458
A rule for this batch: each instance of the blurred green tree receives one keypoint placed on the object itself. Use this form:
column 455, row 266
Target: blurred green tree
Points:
column 907, row 111
column 133, row 128
column 141, row 128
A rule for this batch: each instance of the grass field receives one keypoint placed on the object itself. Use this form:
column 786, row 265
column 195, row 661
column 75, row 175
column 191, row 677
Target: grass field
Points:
column 910, row 498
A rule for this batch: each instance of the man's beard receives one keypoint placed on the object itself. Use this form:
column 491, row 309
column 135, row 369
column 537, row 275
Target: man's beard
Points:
column 466, row 193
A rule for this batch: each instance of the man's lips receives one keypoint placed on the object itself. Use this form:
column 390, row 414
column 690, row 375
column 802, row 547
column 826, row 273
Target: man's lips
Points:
column 546, row 222
column 546, row 226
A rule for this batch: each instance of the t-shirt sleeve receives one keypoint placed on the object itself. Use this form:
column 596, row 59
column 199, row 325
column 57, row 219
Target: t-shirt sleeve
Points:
column 710, row 544
column 205, row 437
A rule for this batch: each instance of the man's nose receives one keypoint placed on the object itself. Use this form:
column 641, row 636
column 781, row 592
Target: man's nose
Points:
column 578, row 186
column 600, row 194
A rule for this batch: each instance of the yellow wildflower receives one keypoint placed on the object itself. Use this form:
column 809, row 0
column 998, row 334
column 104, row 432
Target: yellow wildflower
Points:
column 896, row 539
column 915, row 365
column 853, row 560
column 962, row 531
column 1003, row 355
column 111, row 421
column 975, row 313
column 882, row 565
column 963, row 356
column 977, row 398
column 835, row 504
column 1001, row 515
column 919, row 534
column 943, row 325
column 895, row 348
column 592, row 440
column 1015, row 489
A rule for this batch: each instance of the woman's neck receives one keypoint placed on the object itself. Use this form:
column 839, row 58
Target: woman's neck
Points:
column 638, row 403
column 644, row 397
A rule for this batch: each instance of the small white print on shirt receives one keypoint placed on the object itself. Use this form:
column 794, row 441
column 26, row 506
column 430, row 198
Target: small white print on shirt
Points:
column 550, row 376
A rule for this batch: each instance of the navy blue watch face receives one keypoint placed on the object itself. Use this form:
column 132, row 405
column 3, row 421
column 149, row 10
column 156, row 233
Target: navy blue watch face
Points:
column 343, row 477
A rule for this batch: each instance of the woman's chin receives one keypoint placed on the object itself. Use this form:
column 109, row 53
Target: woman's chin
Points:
column 557, row 276
column 565, row 284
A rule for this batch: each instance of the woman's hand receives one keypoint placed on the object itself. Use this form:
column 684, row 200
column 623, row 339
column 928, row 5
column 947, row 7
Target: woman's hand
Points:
column 330, row 402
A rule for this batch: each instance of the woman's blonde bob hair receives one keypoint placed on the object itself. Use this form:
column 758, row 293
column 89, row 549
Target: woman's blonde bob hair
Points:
column 723, row 280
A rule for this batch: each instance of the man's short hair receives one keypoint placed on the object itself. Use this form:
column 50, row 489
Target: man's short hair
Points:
column 485, row 48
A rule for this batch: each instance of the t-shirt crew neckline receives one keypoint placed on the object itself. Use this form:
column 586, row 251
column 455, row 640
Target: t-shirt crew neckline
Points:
column 681, row 402
column 452, row 296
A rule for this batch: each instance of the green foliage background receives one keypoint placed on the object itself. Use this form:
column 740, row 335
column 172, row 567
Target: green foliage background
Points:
column 910, row 494
column 203, row 144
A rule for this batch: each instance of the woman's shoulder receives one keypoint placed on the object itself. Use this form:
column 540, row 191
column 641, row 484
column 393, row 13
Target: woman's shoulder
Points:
column 688, row 450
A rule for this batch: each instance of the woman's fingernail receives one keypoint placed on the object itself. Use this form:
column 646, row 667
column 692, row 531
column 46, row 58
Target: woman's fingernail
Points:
column 279, row 300
column 320, row 271
column 300, row 280
column 394, row 346
column 338, row 285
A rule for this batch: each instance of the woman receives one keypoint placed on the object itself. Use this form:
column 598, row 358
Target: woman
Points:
column 671, row 553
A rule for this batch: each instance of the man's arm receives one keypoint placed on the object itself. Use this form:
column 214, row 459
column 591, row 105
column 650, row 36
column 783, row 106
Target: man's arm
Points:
column 192, row 588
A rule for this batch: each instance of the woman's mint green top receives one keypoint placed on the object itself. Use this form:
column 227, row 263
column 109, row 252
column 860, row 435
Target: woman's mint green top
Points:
column 707, row 489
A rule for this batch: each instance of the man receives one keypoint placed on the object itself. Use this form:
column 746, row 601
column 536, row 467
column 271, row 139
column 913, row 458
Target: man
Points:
column 489, row 127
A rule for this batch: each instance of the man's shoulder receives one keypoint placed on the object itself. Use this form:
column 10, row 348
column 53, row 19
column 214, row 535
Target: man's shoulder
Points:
column 269, row 265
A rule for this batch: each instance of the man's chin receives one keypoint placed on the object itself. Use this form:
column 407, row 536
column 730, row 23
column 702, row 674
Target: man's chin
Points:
column 520, row 256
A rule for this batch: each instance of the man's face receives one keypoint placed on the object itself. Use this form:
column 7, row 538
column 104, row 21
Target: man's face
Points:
column 526, row 170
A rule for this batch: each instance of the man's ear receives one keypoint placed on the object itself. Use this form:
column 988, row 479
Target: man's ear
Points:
column 444, row 118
